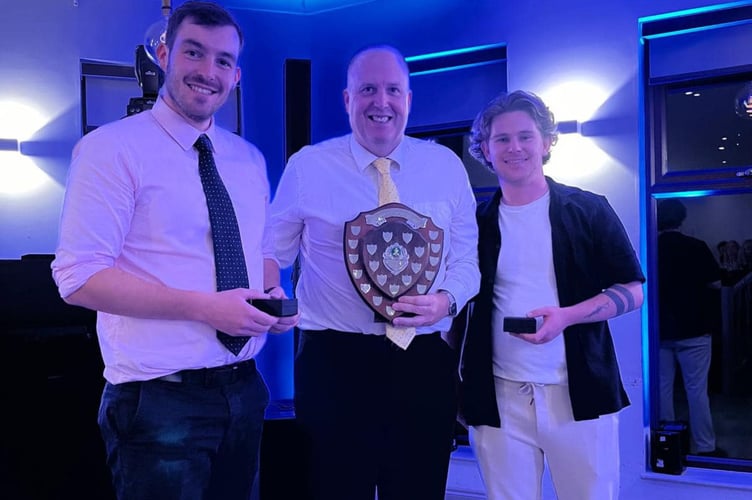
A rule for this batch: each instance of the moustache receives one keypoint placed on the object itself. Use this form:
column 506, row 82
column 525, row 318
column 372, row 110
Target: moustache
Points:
column 204, row 82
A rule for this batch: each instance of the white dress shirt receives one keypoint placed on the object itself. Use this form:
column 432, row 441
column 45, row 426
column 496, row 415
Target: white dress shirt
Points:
column 330, row 183
column 134, row 201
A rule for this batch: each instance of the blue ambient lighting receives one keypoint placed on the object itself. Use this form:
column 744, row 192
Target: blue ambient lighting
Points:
column 684, row 194
column 691, row 12
column 452, row 68
column 453, row 52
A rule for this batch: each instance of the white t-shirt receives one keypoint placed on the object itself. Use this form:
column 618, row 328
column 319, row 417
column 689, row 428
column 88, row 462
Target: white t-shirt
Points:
column 525, row 280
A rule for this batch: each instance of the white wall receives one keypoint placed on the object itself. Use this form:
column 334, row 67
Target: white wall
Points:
column 43, row 41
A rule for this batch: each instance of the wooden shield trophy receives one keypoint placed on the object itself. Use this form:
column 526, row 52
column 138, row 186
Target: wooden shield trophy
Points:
column 392, row 251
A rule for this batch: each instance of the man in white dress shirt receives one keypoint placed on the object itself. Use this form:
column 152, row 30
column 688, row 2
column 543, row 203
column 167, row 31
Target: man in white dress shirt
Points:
column 375, row 416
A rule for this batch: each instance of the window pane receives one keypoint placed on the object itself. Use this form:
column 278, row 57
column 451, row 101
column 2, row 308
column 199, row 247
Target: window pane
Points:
column 703, row 130
column 704, row 273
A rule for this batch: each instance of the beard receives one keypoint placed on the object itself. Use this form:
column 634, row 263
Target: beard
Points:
column 192, row 105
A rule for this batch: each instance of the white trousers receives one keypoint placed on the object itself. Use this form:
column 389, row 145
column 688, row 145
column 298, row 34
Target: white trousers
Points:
column 537, row 424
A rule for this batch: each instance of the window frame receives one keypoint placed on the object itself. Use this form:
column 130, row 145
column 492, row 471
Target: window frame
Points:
column 657, row 183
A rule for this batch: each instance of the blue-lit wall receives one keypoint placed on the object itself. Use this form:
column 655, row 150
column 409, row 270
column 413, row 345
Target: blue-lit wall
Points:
column 549, row 43
column 42, row 42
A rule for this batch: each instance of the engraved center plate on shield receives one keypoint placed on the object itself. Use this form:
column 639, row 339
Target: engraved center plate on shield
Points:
column 392, row 251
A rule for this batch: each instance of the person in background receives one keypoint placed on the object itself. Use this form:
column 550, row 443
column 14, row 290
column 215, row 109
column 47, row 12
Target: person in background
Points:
column 183, row 405
column 376, row 416
column 721, row 248
column 729, row 257
column 688, row 282
column 559, row 255
column 746, row 255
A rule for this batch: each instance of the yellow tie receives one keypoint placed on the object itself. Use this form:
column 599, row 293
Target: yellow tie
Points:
column 387, row 190
column 388, row 194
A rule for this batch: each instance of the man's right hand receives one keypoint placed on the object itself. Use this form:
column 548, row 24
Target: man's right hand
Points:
column 117, row 292
column 229, row 312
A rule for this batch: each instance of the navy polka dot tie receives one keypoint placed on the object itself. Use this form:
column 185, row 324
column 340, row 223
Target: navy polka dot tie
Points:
column 229, row 260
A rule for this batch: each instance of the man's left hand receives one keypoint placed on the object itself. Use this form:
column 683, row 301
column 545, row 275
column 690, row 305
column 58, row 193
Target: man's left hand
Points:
column 285, row 323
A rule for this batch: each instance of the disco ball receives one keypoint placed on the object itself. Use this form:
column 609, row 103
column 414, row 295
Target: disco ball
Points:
column 743, row 102
column 156, row 34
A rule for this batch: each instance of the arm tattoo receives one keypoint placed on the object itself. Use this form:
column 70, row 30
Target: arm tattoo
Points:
column 621, row 307
column 597, row 310
column 627, row 295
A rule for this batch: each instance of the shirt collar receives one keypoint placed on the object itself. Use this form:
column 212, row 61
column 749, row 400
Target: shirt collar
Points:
column 363, row 157
column 181, row 131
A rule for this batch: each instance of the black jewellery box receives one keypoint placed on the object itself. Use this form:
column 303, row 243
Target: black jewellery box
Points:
column 276, row 307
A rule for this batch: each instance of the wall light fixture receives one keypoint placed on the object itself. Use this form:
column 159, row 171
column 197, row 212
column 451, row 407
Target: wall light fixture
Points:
column 568, row 127
column 8, row 144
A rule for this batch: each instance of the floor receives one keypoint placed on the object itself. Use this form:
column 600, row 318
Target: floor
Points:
column 732, row 418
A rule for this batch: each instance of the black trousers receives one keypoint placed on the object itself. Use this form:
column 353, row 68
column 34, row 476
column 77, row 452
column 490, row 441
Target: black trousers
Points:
column 196, row 437
column 375, row 416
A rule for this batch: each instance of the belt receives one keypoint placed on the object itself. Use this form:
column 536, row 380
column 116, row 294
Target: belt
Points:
column 213, row 377
column 333, row 334
column 443, row 335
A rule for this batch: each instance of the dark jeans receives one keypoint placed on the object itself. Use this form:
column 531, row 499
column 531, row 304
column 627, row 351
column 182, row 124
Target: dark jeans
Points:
column 375, row 416
column 192, row 440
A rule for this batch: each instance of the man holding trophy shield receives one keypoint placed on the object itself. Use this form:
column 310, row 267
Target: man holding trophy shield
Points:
column 384, row 229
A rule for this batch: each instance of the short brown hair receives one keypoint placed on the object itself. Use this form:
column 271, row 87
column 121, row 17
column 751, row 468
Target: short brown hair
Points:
column 519, row 100
column 203, row 14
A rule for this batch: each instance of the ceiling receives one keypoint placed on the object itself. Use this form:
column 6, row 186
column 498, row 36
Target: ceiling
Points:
column 303, row 7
